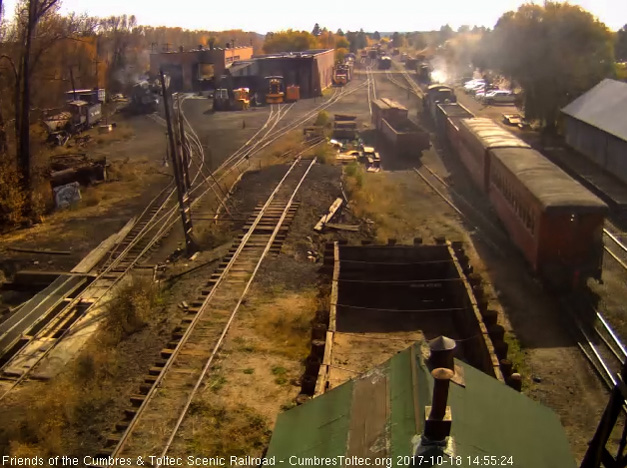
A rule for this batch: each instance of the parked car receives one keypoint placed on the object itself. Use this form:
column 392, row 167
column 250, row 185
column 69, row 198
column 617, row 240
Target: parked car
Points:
column 500, row 96
column 474, row 86
column 515, row 120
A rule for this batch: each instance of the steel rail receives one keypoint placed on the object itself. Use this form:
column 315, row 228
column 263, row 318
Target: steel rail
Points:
column 127, row 432
column 218, row 345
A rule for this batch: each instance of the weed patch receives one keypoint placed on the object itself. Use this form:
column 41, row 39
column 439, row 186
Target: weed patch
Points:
column 237, row 431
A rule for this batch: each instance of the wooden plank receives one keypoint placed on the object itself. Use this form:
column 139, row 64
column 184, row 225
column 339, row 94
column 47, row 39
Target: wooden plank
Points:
column 323, row 373
column 343, row 227
column 333, row 209
column 334, row 287
column 39, row 251
column 94, row 257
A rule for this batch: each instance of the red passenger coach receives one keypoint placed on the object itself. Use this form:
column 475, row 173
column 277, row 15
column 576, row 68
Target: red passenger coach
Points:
column 555, row 221
column 476, row 138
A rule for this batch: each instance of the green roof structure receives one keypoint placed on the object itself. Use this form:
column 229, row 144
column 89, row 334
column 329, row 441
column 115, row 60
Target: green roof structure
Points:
column 381, row 415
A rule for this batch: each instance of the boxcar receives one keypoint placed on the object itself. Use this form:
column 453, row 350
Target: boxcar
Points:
column 476, row 137
column 555, row 221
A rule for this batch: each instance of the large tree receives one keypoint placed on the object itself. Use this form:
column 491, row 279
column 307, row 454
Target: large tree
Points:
column 288, row 41
column 555, row 52
column 621, row 44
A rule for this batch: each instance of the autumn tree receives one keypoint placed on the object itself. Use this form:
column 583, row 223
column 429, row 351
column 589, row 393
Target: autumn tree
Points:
column 339, row 32
column 342, row 43
column 290, row 40
column 621, row 44
column 445, row 33
column 555, row 52
column 397, row 40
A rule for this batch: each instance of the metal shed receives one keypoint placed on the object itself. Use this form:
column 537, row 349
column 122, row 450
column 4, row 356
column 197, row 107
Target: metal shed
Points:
column 381, row 415
column 596, row 126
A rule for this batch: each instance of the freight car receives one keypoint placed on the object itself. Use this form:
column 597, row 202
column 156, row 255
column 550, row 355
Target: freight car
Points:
column 554, row 221
column 385, row 63
column 404, row 136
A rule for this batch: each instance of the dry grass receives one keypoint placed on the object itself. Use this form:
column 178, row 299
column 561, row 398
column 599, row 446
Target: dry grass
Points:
column 60, row 411
column 325, row 154
column 210, row 235
column 228, row 429
column 400, row 205
column 277, row 153
column 130, row 310
column 282, row 321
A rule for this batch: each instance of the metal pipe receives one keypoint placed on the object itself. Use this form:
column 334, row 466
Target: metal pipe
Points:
column 442, row 378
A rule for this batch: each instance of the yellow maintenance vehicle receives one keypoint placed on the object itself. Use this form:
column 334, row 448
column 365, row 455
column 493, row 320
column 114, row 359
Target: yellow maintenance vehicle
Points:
column 242, row 98
column 276, row 93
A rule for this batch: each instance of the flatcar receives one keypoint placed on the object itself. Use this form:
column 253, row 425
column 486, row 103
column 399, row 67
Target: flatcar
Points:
column 553, row 220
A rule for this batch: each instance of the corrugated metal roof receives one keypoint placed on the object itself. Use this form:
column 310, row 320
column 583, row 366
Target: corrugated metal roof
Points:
column 492, row 135
column 379, row 414
column 547, row 182
column 602, row 107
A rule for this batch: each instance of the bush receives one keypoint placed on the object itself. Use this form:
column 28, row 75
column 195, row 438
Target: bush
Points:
column 12, row 197
column 325, row 154
column 129, row 310
column 323, row 119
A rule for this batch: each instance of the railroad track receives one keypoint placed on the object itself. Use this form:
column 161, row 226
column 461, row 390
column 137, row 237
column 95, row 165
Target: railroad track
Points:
column 595, row 337
column 491, row 233
column 153, row 224
column 390, row 76
column 614, row 243
column 174, row 381
column 371, row 83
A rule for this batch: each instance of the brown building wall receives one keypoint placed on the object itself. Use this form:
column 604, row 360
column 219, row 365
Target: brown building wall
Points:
column 183, row 66
column 324, row 68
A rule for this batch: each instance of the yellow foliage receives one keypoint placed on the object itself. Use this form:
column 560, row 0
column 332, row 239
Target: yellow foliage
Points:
column 288, row 41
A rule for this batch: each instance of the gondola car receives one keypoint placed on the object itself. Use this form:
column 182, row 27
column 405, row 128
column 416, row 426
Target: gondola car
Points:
column 553, row 220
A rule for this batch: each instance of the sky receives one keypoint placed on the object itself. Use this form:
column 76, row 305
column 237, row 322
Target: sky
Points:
column 263, row 16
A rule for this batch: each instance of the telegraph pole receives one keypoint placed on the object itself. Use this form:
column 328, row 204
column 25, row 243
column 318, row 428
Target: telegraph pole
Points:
column 183, row 195
column 185, row 149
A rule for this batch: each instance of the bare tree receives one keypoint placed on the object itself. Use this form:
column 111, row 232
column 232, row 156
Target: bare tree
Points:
column 36, row 9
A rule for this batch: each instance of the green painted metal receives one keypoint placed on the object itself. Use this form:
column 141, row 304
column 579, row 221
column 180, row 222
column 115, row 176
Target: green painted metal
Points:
column 402, row 421
column 492, row 419
column 318, row 428
column 489, row 420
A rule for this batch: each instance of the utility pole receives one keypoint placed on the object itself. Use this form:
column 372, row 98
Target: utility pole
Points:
column 183, row 196
column 185, row 149
column 72, row 81
column 97, row 62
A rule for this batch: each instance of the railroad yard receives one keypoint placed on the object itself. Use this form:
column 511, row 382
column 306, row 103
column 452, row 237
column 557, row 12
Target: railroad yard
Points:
column 235, row 269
